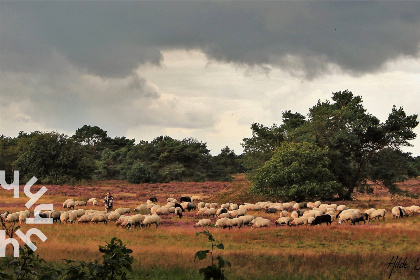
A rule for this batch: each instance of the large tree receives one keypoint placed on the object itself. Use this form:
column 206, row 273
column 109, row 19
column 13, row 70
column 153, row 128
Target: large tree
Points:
column 355, row 140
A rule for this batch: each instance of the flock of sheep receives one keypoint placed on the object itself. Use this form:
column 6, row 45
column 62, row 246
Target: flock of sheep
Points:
column 227, row 215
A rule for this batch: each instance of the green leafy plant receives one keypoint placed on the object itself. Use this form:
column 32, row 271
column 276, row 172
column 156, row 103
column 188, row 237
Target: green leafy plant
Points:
column 212, row 271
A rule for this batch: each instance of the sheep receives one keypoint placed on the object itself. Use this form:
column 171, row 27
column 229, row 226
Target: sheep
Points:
column 55, row 215
column 203, row 223
column 346, row 216
column 113, row 216
column 122, row 219
column 369, row 211
column 162, row 211
column 12, row 218
column 72, row 217
column 64, row 217
column 224, row 215
column 22, row 217
column 91, row 200
column 223, row 223
column 99, row 218
column 201, row 211
column 282, row 221
column 247, row 219
column 341, row 207
column 321, row 219
column 69, row 204
column 261, row 223
column 398, row 212
column 80, row 212
column 83, row 219
column 178, row 212
column 4, row 215
column 185, row 198
column 294, row 215
column 134, row 221
column 363, row 217
column 236, row 222
column 80, row 203
column 152, row 219
column 237, row 213
column 377, row 214
column 299, row 221
column 122, row 211
column 141, row 208
column 415, row 209
column 210, row 212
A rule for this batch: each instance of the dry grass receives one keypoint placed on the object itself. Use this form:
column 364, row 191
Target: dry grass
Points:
column 320, row 252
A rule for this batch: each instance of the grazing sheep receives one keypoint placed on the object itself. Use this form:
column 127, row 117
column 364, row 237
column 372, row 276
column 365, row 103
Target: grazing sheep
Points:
column 134, row 221
column 178, row 212
column 91, row 200
column 113, row 216
column 122, row 211
column 247, row 219
column 346, row 217
column 99, row 218
column 236, row 222
column 363, row 217
column 13, row 218
column 162, row 211
column 321, row 219
column 64, row 217
column 141, row 208
column 83, row 219
column 69, row 204
column 415, row 209
column 55, row 215
column 398, row 212
column 282, row 221
column 22, row 217
column 261, row 223
column 152, row 219
column 294, row 215
column 341, row 207
column 122, row 219
column 223, row 223
column 210, row 212
column 80, row 203
column 224, row 215
column 299, row 221
column 72, row 217
column 203, row 223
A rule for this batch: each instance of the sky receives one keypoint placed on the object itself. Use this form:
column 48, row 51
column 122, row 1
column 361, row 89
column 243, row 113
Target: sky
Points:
column 201, row 69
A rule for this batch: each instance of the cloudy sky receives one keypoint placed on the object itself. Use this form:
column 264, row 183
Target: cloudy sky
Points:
column 200, row 69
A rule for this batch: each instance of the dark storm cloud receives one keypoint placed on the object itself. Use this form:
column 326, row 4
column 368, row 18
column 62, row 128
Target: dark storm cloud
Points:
column 111, row 39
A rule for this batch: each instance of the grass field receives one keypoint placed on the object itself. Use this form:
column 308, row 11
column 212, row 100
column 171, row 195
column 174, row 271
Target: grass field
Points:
column 167, row 252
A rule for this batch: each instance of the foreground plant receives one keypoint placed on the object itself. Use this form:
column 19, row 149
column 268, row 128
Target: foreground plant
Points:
column 212, row 271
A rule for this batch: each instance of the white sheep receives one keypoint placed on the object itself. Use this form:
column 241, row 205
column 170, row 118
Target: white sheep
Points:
column 122, row 219
column 261, row 223
column 64, row 217
column 152, row 219
column 122, row 211
column 99, row 218
column 113, row 216
column 203, row 223
column 377, row 214
column 299, row 221
column 134, row 221
column 72, row 217
column 83, row 219
column 282, row 221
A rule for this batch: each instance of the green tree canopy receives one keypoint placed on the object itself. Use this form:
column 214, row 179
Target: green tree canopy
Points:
column 297, row 171
column 353, row 138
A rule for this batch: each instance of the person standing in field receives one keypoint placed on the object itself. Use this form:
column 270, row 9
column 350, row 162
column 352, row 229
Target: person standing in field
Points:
column 109, row 202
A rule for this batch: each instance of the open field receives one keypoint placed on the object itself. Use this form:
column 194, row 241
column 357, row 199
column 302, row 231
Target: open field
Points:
column 306, row 252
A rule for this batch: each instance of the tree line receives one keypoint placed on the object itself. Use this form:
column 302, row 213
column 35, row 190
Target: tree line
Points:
column 91, row 154
column 337, row 149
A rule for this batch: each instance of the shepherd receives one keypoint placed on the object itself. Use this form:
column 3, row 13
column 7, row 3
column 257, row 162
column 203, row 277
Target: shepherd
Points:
column 109, row 202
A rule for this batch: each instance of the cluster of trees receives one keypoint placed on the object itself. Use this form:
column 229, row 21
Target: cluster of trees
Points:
column 331, row 153
column 91, row 154
column 335, row 150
